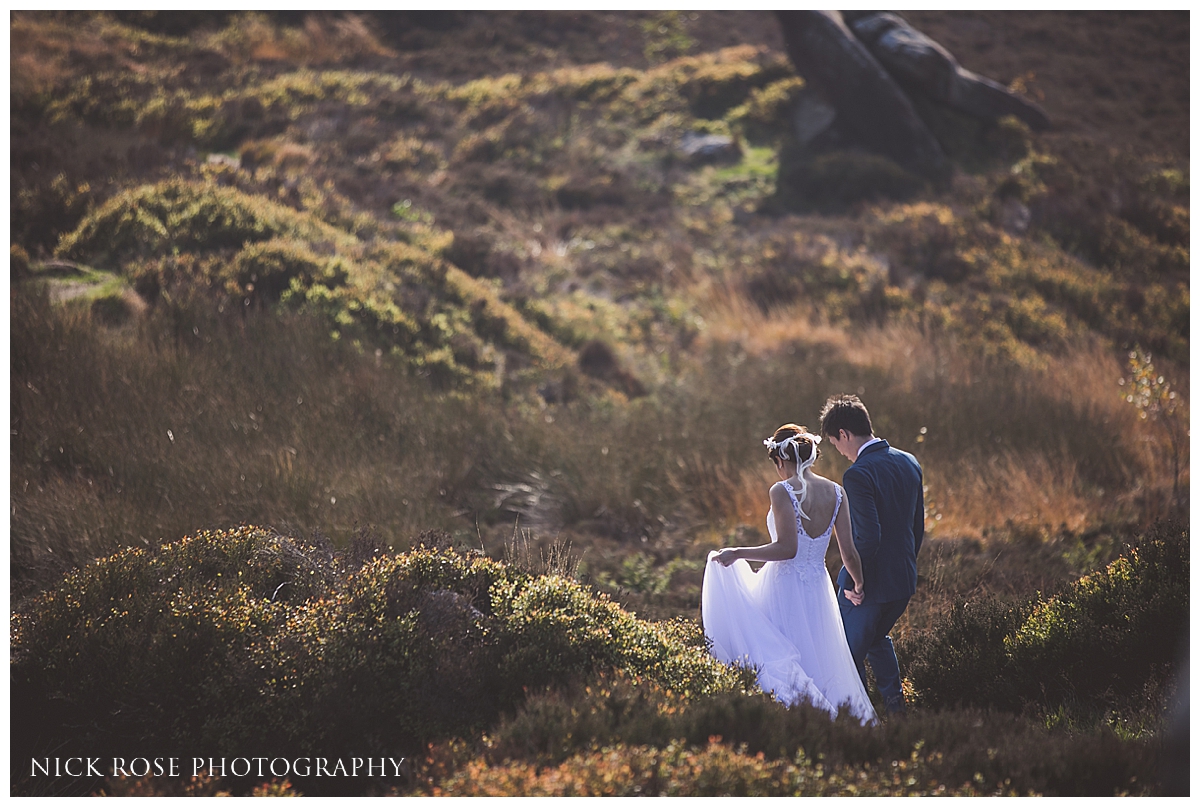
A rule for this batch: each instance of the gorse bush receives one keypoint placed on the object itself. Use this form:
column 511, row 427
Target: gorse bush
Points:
column 244, row 642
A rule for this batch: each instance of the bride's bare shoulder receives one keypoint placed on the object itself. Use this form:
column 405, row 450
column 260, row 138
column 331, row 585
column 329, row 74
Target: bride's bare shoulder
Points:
column 824, row 483
column 824, row 490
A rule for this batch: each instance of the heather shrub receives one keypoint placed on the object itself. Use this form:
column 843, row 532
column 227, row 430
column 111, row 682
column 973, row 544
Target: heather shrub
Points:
column 836, row 181
column 1039, row 299
column 400, row 296
column 678, row 770
column 706, row 86
column 1139, row 236
column 42, row 212
column 18, row 262
column 190, row 217
column 312, row 357
column 1113, row 637
column 962, row 659
column 1107, row 643
column 558, row 626
column 766, row 114
column 244, row 641
column 202, row 785
column 265, row 270
column 714, row 87
column 984, row 749
column 976, row 145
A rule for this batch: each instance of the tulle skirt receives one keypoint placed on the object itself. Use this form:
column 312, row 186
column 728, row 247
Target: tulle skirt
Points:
column 784, row 622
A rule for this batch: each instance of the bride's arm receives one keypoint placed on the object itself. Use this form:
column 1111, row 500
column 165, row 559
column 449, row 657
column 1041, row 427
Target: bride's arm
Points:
column 785, row 545
column 845, row 542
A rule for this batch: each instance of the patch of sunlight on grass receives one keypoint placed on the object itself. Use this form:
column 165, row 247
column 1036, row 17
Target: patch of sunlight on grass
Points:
column 86, row 284
column 751, row 178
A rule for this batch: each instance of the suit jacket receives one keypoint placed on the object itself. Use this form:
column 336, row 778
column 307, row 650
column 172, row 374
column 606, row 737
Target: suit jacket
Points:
column 887, row 515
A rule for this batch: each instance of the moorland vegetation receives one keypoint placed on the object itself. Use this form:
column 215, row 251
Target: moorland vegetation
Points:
column 440, row 304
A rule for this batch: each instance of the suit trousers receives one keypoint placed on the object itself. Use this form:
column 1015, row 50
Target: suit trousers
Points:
column 867, row 627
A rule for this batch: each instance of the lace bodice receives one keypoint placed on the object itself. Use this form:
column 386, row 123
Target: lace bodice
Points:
column 784, row 621
column 810, row 551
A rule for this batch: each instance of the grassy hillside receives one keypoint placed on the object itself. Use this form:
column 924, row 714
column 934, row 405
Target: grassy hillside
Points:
column 360, row 277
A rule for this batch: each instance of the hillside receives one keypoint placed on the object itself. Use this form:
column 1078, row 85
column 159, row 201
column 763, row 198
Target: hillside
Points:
column 362, row 279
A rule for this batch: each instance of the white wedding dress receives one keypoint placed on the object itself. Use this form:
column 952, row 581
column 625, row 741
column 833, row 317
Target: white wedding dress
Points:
column 784, row 621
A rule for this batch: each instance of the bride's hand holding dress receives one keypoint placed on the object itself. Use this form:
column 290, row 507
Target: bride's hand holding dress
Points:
column 784, row 620
column 784, row 548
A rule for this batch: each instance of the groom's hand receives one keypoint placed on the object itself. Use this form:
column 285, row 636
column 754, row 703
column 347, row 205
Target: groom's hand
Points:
column 855, row 596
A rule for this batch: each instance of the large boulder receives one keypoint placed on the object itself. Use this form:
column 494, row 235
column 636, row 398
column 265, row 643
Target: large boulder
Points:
column 922, row 65
column 872, row 110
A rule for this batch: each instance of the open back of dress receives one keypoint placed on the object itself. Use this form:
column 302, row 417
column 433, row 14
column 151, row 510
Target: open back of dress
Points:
column 784, row 621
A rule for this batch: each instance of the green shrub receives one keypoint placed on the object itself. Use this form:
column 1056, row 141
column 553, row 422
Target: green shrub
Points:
column 706, row 85
column 1112, row 634
column 767, row 115
column 836, row 181
column 187, row 217
column 243, row 641
column 677, row 770
column 1118, row 210
column 1106, row 643
column 559, row 626
column 266, row 270
column 18, row 263
column 975, row 145
column 714, row 87
column 43, row 212
column 985, row 749
column 963, row 659
column 395, row 295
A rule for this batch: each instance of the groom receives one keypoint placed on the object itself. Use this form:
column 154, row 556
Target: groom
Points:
column 887, row 515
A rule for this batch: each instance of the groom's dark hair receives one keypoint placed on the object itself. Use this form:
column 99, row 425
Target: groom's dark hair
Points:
column 845, row 412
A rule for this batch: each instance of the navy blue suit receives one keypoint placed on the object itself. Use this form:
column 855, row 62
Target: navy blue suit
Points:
column 887, row 515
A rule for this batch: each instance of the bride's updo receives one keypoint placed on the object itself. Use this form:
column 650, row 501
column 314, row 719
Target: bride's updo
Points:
column 792, row 443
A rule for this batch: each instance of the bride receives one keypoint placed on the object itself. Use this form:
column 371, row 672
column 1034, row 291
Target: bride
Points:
column 784, row 620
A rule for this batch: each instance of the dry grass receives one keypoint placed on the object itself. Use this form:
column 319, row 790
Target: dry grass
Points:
column 188, row 420
column 184, row 420
column 323, row 39
column 1021, row 487
column 672, row 473
column 974, row 482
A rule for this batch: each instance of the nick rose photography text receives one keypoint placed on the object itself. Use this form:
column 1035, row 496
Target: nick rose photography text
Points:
column 222, row 766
